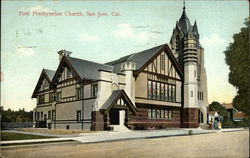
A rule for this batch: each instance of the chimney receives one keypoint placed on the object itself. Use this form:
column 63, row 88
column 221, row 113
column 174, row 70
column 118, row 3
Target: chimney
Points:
column 63, row 53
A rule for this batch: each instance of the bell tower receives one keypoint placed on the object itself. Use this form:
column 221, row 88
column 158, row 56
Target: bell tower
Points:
column 185, row 45
column 190, row 110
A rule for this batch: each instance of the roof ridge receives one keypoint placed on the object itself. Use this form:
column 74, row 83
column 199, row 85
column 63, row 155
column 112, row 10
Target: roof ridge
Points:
column 90, row 61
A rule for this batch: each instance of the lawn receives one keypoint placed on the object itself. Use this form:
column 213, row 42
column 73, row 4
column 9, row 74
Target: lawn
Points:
column 6, row 136
column 54, row 131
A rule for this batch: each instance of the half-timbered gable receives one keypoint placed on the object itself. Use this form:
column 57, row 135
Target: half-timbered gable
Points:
column 42, row 91
column 159, row 80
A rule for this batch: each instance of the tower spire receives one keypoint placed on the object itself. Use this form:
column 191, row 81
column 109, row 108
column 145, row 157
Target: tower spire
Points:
column 184, row 5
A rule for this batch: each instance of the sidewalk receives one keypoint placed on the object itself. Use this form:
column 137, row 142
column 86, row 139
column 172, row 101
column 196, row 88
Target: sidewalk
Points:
column 107, row 136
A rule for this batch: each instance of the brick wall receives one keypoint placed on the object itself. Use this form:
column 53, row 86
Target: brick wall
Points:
column 190, row 118
column 141, row 120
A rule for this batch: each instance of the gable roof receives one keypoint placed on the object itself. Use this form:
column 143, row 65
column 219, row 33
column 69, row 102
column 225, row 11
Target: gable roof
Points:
column 46, row 73
column 117, row 94
column 143, row 58
column 88, row 69
column 139, row 58
column 50, row 73
column 83, row 69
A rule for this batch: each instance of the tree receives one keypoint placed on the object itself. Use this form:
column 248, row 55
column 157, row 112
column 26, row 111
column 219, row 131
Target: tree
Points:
column 16, row 116
column 219, row 108
column 237, row 57
column 222, row 112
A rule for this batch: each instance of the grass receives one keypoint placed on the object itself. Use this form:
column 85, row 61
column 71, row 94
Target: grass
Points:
column 54, row 131
column 6, row 136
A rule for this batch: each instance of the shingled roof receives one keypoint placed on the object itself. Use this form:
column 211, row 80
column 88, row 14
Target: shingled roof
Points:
column 139, row 58
column 87, row 69
column 50, row 73
column 110, row 102
column 46, row 73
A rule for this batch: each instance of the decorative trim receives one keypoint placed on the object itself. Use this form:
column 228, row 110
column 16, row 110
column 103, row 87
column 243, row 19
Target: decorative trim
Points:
column 169, row 77
column 158, row 100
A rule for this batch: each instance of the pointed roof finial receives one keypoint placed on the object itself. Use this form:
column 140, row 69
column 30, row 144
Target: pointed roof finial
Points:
column 184, row 5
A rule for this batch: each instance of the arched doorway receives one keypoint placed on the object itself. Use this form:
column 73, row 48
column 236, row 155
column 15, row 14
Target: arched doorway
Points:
column 200, row 116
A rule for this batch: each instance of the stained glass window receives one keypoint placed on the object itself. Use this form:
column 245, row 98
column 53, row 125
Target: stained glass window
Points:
column 158, row 90
column 149, row 113
column 158, row 113
column 162, row 114
column 153, row 113
column 162, row 91
column 149, row 89
column 154, row 90
column 166, row 114
column 170, row 114
column 166, row 92
column 173, row 89
column 169, row 92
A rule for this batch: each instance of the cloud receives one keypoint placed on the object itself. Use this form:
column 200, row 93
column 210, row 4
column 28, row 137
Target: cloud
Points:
column 89, row 38
column 140, row 26
column 23, row 51
column 212, row 40
column 125, row 31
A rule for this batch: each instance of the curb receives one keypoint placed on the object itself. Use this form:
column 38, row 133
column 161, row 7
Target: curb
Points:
column 35, row 141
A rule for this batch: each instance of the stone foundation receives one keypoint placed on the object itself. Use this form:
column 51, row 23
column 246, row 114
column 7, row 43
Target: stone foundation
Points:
column 97, row 121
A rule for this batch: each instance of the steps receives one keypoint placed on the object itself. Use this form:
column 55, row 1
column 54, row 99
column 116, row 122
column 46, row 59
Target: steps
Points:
column 120, row 128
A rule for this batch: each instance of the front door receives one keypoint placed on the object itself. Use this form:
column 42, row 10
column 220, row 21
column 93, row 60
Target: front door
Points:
column 200, row 116
column 114, row 116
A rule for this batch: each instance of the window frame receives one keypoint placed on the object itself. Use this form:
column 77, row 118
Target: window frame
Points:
column 78, row 116
column 93, row 90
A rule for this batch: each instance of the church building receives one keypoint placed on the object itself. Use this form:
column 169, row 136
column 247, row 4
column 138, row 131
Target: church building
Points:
column 160, row 87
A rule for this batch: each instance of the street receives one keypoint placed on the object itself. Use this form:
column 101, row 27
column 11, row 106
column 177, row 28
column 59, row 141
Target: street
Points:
column 224, row 144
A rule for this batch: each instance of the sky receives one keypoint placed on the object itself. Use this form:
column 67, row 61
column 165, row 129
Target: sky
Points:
column 30, row 42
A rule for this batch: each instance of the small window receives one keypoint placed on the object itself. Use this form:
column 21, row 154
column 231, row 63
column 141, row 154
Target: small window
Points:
column 67, row 127
column 79, row 93
column 191, row 94
column 158, row 113
column 78, row 116
column 162, row 61
column 59, row 97
column 94, row 90
column 162, row 114
column 170, row 114
column 68, row 73
column 153, row 113
column 166, row 114
column 38, row 117
column 42, row 116
column 49, row 115
column 149, row 113
column 53, row 115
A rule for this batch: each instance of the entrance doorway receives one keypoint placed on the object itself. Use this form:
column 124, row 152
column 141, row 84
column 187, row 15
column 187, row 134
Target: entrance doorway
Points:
column 114, row 116
column 200, row 116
